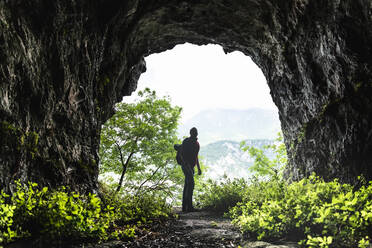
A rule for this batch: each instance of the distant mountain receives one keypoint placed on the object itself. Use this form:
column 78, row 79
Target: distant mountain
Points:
column 226, row 157
column 235, row 125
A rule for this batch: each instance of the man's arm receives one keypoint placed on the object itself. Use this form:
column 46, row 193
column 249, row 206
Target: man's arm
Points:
column 197, row 158
column 197, row 164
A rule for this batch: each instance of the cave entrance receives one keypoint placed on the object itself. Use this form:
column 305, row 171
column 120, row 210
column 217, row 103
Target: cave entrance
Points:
column 315, row 56
column 225, row 96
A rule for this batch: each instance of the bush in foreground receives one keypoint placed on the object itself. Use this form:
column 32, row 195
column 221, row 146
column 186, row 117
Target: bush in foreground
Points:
column 57, row 215
column 311, row 211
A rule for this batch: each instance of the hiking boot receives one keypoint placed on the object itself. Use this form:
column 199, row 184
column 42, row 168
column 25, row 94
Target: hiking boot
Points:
column 190, row 209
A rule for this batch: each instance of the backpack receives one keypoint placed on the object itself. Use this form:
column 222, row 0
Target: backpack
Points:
column 178, row 148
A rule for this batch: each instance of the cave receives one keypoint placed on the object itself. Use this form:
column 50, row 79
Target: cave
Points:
column 64, row 65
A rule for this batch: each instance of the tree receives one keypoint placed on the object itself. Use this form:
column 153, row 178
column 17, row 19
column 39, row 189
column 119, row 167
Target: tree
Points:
column 137, row 143
column 263, row 166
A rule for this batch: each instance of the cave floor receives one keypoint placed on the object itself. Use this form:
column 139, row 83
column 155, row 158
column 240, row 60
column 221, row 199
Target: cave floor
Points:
column 194, row 229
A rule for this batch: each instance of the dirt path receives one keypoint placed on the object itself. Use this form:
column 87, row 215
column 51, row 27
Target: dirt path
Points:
column 195, row 229
column 206, row 229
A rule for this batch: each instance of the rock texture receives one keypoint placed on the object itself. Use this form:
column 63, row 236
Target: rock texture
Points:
column 64, row 64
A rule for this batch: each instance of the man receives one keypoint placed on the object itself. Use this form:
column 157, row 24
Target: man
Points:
column 189, row 151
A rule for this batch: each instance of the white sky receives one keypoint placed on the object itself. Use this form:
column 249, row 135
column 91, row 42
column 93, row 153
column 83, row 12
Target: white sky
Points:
column 204, row 77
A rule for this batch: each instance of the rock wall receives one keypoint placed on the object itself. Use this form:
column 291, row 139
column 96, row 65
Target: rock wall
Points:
column 64, row 64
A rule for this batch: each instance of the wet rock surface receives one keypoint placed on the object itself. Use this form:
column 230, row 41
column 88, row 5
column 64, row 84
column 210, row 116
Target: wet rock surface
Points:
column 64, row 64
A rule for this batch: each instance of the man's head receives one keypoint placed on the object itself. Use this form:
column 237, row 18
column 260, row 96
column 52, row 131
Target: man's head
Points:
column 194, row 132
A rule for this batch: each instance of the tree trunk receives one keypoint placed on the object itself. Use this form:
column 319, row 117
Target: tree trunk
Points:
column 125, row 166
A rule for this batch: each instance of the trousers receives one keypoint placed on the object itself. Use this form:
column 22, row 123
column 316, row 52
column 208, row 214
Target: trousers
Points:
column 188, row 188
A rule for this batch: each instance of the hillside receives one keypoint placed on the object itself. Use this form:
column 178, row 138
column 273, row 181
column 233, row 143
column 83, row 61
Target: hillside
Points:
column 226, row 157
column 236, row 125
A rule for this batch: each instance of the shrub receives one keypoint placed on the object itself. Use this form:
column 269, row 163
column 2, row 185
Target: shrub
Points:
column 7, row 233
column 136, row 209
column 56, row 215
column 320, row 214
column 53, row 215
column 221, row 196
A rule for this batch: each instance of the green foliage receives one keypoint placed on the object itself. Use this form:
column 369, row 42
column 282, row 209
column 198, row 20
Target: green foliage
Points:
column 6, row 220
column 136, row 209
column 263, row 166
column 220, row 196
column 322, row 214
column 312, row 212
column 56, row 215
column 321, row 242
column 53, row 215
column 137, row 143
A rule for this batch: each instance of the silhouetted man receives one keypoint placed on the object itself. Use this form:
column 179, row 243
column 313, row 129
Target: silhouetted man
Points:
column 190, row 150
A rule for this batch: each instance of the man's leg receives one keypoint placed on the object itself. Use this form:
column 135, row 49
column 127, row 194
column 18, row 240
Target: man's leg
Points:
column 191, row 189
column 188, row 189
column 185, row 188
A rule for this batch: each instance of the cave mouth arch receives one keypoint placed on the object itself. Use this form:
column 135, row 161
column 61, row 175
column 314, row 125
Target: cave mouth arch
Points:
column 72, row 61
column 224, row 95
column 308, row 57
